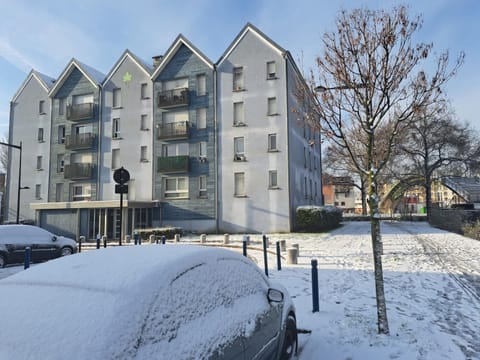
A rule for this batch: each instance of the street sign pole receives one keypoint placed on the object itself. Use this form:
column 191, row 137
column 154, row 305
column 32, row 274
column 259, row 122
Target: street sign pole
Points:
column 121, row 223
column 121, row 177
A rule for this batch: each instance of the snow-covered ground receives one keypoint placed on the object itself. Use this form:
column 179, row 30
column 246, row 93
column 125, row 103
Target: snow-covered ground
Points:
column 432, row 284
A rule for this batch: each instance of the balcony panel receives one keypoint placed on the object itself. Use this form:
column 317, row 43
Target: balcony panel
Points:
column 80, row 141
column 177, row 130
column 80, row 112
column 172, row 164
column 173, row 98
column 78, row 171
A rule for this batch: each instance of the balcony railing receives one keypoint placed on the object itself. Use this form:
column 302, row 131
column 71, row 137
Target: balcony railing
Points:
column 78, row 171
column 80, row 111
column 173, row 130
column 80, row 141
column 171, row 98
column 172, row 164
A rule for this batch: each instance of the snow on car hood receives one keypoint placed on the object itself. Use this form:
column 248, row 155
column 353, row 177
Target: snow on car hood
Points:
column 98, row 305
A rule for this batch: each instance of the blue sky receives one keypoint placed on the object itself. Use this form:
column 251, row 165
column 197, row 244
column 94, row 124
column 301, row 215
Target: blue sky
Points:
column 46, row 34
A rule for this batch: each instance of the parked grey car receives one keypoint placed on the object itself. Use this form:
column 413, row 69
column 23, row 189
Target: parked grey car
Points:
column 44, row 245
column 147, row 302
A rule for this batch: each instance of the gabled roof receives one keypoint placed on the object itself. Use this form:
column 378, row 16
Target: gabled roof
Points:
column 179, row 41
column 139, row 62
column 246, row 29
column 45, row 81
column 93, row 75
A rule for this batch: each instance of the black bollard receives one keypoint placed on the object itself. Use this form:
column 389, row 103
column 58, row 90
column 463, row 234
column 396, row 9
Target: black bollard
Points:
column 315, row 286
column 80, row 244
column 265, row 259
column 104, row 241
column 28, row 252
column 244, row 247
column 98, row 241
column 279, row 257
column 164, row 238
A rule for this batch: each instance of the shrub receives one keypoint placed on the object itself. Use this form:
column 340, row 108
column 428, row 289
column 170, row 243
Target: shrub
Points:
column 472, row 230
column 318, row 218
column 169, row 232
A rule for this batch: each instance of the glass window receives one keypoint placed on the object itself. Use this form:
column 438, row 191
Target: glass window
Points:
column 38, row 190
column 272, row 142
column 40, row 134
column 238, row 81
column 201, row 85
column 39, row 163
column 271, row 70
column 143, row 122
column 202, row 186
column 203, row 149
column 61, row 134
column 239, row 148
column 238, row 114
column 115, row 158
column 201, row 118
column 178, row 149
column 61, row 106
column 60, row 163
column 272, row 179
column 117, row 97
column 116, row 128
column 272, row 106
column 176, row 187
column 144, row 91
column 239, row 186
column 59, row 192
column 143, row 154
column 41, row 107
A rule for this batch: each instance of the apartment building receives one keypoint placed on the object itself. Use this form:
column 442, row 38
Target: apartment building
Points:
column 210, row 147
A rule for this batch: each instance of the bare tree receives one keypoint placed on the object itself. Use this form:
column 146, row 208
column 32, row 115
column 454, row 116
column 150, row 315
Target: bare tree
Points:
column 373, row 88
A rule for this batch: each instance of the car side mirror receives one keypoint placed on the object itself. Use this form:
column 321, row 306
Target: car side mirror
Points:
column 274, row 295
column 54, row 238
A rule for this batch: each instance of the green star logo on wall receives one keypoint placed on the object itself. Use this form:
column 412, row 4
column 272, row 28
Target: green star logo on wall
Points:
column 127, row 77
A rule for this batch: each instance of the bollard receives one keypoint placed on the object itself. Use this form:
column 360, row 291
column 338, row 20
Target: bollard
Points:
column 292, row 256
column 28, row 252
column 279, row 257
column 246, row 239
column 98, row 241
column 226, row 239
column 104, row 238
column 244, row 242
column 203, row 239
column 315, row 286
column 81, row 239
column 139, row 240
column 128, row 238
column 177, row 238
column 152, row 239
column 283, row 245
column 164, row 238
column 265, row 258
column 268, row 242
column 296, row 246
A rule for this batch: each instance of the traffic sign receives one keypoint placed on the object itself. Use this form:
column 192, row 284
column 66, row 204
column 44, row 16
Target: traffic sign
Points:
column 121, row 176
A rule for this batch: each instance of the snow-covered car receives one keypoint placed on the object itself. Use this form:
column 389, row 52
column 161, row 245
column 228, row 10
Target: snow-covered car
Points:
column 44, row 245
column 146, row 302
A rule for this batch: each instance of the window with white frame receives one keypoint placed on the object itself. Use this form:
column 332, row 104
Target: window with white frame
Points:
column 40, row 135
column 116, row 128
column 201, row 118
column 59, row 192
column 202, row 186
column 238, row 80
column 81, row 192
column 175, row 149
column 272, row 142
column 169, row 117
column 271, row 70
column 144, row 91
column 117, row 98
column 143, row 154
column 61, row 134
column 39, row 162
column 38, row 191
column 60, row 163
column 41, row 107
column 239, row 184
column 115, row 159
column 201, row 85
column 238, row 114
column 272, row 106
column 202, row 149
column 239, row 148
column 144, row 122
column 175, row 187
column 272, row 179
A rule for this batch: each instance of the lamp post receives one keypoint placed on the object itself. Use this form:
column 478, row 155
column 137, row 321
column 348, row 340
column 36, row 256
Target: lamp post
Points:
column 19, row 147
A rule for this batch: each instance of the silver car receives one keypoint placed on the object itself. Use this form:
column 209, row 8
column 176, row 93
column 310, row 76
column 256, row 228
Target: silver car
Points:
column 146, row 302
column 44, row 245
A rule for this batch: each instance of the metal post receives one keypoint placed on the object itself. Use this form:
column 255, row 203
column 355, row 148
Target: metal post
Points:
column 28, row 252
column 279, row 257
column 104, row 241
column 164, row 238
column 19, row 183
column 265, row 258
column 121, row 223
column 244, row 247
column 98, row 241
column 80, row 241
column 315, row 286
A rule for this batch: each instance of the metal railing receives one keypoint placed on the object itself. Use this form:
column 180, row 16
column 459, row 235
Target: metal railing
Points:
column 79, row 141
column 173, row 130
column 78, row 171
column 171, row 98
column 172, row 164
column 80, row 111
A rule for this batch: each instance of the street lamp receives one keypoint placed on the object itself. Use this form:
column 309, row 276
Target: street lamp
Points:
column 19, row 176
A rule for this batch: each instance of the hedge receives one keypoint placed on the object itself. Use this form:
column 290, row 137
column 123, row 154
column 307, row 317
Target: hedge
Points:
column 168, row 232
column 317, row 218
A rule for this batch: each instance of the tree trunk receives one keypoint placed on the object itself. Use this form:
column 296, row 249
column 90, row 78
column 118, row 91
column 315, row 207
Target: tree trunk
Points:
column 364, row 196
column 428, row 195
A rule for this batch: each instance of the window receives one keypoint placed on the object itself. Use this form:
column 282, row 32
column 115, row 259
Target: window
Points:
column 238, row 83
column 201, row 118
column 239, row 186
column 143, row 154
column 40, row 134
column 169, row 117
column 176, row 187
column 238, row 114
column 305, row 157
column 117, row 98
column 311, row 189
column 61, row 134
column 305, row 190
column 116, row 128
column 272, row 142
column 271, row 70
column 272, row 106
column 61, row 106
column 39, row 163
column 59, row 192
column 60, row 163
column 202, row 149
column 144, row 122
column 143, row 91
column 175, row 149
column 80, row 192
column 239, row 149
column 202, row 186
column 272, row 179
column 38, row 190
column 201, row 85
column 115, row 159
column 41, row 107
column 181, row 83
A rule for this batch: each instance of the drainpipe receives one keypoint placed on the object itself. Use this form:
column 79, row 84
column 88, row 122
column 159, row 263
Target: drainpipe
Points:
column 217, row 182
column 287, row 107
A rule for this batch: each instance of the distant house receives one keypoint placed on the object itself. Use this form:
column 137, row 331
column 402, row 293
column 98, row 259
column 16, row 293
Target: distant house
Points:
column 339, row 191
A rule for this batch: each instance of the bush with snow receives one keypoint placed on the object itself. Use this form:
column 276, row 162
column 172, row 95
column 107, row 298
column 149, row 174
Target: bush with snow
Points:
column 317, row 218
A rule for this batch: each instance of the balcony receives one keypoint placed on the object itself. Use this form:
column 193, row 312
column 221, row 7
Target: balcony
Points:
column 172, row 164
column 172, row 98
column 78, row 171
column 80, row 141
column 80, row 111
column 176, row 130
